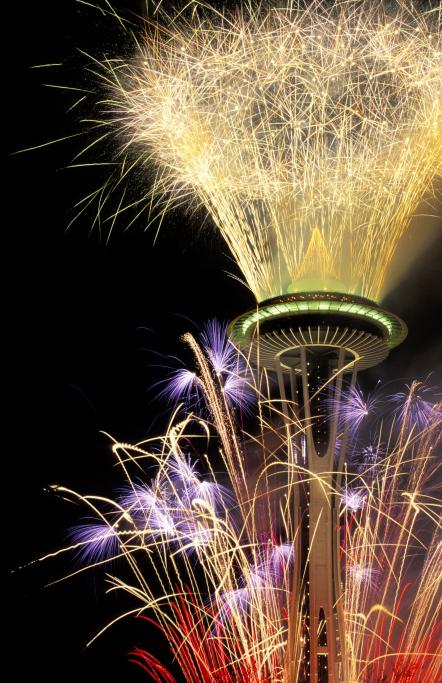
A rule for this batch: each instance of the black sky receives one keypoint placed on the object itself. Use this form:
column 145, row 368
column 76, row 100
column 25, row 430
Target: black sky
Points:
column 83, row 321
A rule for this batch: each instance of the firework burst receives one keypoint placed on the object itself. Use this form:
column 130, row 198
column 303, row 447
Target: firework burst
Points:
column 223, row 557
column 309, row 134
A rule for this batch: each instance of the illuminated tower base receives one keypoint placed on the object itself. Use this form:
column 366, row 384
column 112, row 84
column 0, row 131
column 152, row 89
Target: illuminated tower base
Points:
column 312, row 341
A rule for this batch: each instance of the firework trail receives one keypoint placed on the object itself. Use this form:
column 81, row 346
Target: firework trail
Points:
column 221, row 551
column 309, row 134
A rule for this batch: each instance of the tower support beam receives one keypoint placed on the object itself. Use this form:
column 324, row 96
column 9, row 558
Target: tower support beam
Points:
column 314, row 341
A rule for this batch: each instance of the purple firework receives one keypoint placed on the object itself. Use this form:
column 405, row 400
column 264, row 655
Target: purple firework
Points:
column 188, row 486
column 363, row 575
column 371, row 454
column 150, row 509
column 367, row 457
column 222, row 353
column 352, row 408
column 229, row 365
column 240, row 599
column 95, row 541
column 238, row 392
column 353, row 499
column 236, row 601
column 195, row 528
column 279, row 559
column 182, row 385
column 232, row 372
column 215, row 495
column 415, row 407
column 182, row 471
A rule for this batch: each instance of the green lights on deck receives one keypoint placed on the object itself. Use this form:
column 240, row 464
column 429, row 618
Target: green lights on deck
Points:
column 393, row 329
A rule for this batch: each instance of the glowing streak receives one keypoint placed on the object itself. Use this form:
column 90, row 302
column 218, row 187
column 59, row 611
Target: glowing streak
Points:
column 230, row 553
column 309, row 133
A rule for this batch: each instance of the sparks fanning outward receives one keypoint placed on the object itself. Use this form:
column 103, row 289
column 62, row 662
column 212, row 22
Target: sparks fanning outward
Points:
column 310, row 135
column 212, row 558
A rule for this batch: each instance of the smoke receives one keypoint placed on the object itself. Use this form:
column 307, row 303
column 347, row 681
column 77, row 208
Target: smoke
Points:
column 423, row 235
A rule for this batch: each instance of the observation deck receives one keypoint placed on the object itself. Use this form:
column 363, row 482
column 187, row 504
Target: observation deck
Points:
column 279, row 327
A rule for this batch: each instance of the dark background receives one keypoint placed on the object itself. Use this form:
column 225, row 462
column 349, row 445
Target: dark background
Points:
column 87, row 324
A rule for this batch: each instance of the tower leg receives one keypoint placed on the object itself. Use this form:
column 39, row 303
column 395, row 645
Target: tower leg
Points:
column 324, row 627
column 319, row 547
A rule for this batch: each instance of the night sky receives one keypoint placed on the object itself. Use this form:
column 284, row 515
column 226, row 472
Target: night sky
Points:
column 88, row 325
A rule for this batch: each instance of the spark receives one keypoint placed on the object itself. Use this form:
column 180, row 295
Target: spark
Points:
column 309, row 134
column 94, row 541
column 181, row 385
column 150, row 508
column 229, row 367
column 353, row 499
column 226, row 591
column 360, row 574
column 352, row 408
column 221, row 351
column 416, row 405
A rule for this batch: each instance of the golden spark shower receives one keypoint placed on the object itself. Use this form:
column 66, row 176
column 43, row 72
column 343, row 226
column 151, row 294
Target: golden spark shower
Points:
column 310, row 136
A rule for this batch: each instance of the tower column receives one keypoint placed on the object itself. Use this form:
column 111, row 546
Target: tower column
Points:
column 310, row 340
column 321, row 374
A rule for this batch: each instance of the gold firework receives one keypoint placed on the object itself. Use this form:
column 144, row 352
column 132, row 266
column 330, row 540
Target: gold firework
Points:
column 309, row 135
